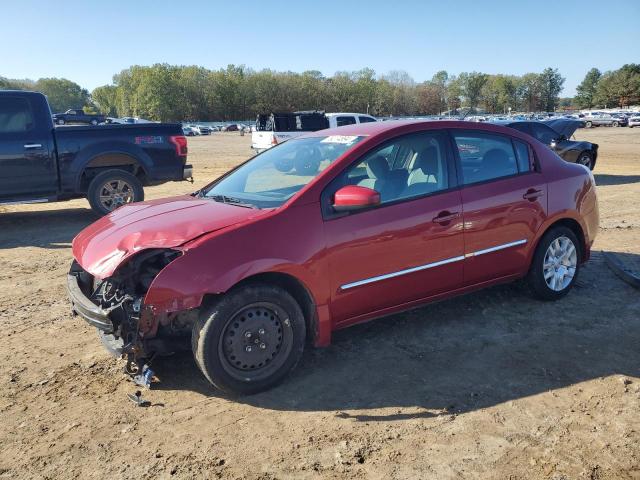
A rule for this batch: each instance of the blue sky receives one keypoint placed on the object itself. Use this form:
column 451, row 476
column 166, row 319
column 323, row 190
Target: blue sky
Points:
column 89, row 41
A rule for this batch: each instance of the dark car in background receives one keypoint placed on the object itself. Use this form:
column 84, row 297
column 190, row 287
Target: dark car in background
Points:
column 557, row 133
column 77, row 115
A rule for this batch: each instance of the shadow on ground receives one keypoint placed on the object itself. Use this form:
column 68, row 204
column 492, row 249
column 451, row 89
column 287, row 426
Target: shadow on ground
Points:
column 606, row 179
column 458, row 355
column 43, row 228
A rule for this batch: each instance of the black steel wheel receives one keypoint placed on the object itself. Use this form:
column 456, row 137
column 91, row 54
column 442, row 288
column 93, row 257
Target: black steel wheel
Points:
column 249, row 339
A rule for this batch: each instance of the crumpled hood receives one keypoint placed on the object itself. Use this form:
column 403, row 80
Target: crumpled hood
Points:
column 165, row 223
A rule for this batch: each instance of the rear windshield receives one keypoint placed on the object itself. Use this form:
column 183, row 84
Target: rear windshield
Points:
column 276, row 175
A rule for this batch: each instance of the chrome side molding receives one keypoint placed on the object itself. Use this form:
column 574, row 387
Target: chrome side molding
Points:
column 427, row 266
column 495, row 249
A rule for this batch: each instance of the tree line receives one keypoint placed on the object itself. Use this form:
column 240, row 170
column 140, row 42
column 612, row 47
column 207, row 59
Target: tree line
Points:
column 177, row 93
column 616, row 88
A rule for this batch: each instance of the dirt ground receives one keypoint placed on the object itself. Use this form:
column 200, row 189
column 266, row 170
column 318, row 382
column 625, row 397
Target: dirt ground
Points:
column 490, row 385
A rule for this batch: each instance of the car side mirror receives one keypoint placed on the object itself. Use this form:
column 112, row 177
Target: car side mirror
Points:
column 354, row 197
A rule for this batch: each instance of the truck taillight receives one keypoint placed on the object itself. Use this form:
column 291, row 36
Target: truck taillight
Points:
column 180, row 141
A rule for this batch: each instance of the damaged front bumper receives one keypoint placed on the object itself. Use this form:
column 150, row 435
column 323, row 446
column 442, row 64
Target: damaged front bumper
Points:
column 84, row 307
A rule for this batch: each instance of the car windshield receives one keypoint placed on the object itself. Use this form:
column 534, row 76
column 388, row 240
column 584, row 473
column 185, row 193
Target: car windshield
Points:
column 274, row 176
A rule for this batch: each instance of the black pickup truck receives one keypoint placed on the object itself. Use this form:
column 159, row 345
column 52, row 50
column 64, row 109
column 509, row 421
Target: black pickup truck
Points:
column 77, row 115
column 107, row 164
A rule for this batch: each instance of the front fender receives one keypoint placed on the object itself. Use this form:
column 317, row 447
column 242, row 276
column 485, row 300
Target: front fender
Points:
column 290, row 242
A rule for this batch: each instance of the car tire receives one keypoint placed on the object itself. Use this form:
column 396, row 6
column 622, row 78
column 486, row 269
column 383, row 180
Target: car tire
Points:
column 588, row 124
column 555, row 265
column 615, row 124
column 586, row 158
column 125, row 188
column 256, row 323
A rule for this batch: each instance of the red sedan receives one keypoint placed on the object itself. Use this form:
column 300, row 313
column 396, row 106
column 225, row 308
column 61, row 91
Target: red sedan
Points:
column 328, row 230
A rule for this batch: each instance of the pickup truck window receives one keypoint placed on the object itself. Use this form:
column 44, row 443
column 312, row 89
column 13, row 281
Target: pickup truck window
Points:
column 15, row 115
column 366, row 119
column 342, row 121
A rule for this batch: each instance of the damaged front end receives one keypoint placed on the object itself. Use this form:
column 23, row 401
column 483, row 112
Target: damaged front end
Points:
column 115, row 306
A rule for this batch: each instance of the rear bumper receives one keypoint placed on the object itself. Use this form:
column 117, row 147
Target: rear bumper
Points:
column 83, row 306
column 187, row 172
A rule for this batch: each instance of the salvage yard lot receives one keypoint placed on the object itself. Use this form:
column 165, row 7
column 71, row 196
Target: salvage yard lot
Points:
column 490, row 385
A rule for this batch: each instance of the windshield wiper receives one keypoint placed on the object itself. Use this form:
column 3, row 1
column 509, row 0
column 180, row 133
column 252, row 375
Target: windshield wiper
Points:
column 231, row 201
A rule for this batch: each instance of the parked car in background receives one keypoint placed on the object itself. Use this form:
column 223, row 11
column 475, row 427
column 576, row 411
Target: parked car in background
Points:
column 77, row 115
column 127, row 120
column 342, row 119
column 233, row 127
column 620, row 120
column 272, row 129
column 557, row 133
column 634, row 121
column 108, row 164
column 204, row 130
column 599, row 119
column 398, row 214
column 189, row 131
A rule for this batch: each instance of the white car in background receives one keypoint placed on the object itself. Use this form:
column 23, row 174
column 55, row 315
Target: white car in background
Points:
column 634, row 121
column 276, row 128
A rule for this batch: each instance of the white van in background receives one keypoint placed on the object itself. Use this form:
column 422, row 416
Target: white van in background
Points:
column 276, row 128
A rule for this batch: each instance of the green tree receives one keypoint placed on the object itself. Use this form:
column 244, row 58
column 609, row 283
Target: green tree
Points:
column 471, row 85
column 62, row 93
column 551, row 83
column 105, row 98
column 586, row 91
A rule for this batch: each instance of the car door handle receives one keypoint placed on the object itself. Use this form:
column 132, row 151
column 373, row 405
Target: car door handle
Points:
column 532, row 194
column 32, row 146
column 446, row 216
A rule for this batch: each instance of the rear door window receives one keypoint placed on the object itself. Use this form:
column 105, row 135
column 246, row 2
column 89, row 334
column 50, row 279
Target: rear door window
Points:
column 484, row 156
column 523, row 156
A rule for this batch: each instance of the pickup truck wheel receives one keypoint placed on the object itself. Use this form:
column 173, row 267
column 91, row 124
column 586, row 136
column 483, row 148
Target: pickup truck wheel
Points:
column 556, row 264
column 112, row 189
column 250, row 339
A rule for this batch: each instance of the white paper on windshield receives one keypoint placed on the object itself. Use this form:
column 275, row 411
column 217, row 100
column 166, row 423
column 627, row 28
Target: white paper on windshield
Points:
column 342, row 139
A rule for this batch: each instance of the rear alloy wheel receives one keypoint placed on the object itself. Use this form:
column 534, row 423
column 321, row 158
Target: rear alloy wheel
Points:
column 250, row 339
column 112, row 189
column 556, row 264
column 586, row 159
